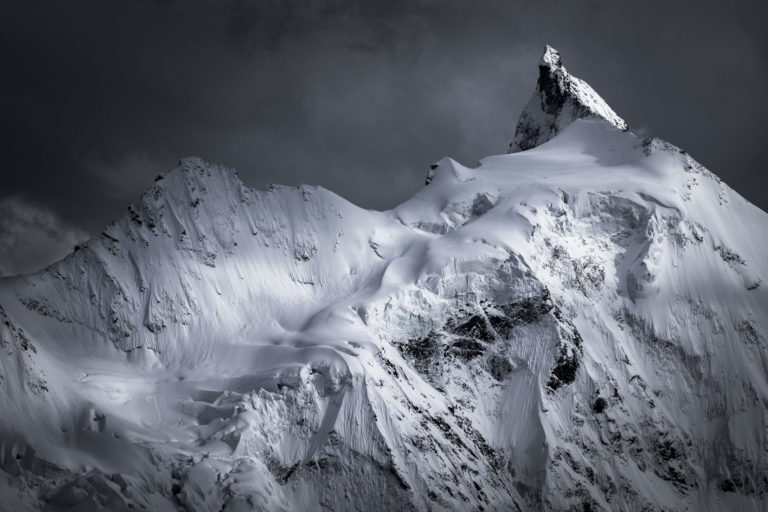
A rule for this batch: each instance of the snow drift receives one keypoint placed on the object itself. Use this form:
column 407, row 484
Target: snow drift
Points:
column 580, row 324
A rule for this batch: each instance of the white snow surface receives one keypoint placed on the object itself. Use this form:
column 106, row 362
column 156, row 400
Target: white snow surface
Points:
column 582, row 325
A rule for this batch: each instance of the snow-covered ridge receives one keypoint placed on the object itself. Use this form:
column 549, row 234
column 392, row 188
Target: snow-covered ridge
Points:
column 559, row 99
column 582, row 325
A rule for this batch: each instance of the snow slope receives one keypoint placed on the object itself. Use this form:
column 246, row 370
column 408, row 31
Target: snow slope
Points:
column 581, row 325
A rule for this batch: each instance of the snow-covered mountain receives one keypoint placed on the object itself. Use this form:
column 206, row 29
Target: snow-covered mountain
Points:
column 580, row 324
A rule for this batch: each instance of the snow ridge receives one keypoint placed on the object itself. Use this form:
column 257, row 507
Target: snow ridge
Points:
column 559, row 99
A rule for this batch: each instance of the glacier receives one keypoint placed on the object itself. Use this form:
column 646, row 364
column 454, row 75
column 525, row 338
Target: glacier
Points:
column 579, row 324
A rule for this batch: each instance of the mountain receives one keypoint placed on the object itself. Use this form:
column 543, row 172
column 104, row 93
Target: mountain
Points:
column 559, row 99
column 578, row 325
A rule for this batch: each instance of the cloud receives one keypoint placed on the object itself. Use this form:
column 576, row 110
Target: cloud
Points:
column 32, row 237
column 128, row 174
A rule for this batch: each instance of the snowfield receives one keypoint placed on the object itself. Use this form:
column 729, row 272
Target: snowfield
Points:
column 581, row 324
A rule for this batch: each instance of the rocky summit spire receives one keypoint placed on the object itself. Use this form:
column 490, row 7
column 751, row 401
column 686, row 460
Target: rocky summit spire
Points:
column 559, row 100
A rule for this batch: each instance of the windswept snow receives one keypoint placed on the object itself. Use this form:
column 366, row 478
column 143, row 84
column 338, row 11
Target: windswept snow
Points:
column 581, row 325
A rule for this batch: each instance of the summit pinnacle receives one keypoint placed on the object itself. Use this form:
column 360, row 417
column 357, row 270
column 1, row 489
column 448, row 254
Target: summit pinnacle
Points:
column 559, row 99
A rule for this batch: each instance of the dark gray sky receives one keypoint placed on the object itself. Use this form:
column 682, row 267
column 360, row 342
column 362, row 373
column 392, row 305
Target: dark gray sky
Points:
column 97, row 97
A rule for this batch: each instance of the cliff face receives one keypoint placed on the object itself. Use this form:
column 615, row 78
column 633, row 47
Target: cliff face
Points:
column 579, row 325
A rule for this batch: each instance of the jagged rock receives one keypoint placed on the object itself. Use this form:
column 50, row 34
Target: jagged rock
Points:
column 559, row 100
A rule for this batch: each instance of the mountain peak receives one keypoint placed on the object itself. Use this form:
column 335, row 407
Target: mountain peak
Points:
column 551, row 58
column 559, row 99
column 193, row 176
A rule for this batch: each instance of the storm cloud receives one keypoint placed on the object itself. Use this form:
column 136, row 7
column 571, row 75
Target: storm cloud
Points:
column 360, row 97
column 32, row 237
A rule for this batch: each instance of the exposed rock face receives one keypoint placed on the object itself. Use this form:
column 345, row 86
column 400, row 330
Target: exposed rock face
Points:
column 560, row 99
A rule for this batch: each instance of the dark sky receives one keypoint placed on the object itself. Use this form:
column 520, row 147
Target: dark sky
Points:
column 97, row 97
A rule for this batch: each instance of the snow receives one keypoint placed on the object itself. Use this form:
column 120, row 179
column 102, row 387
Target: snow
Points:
column 225, row 348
